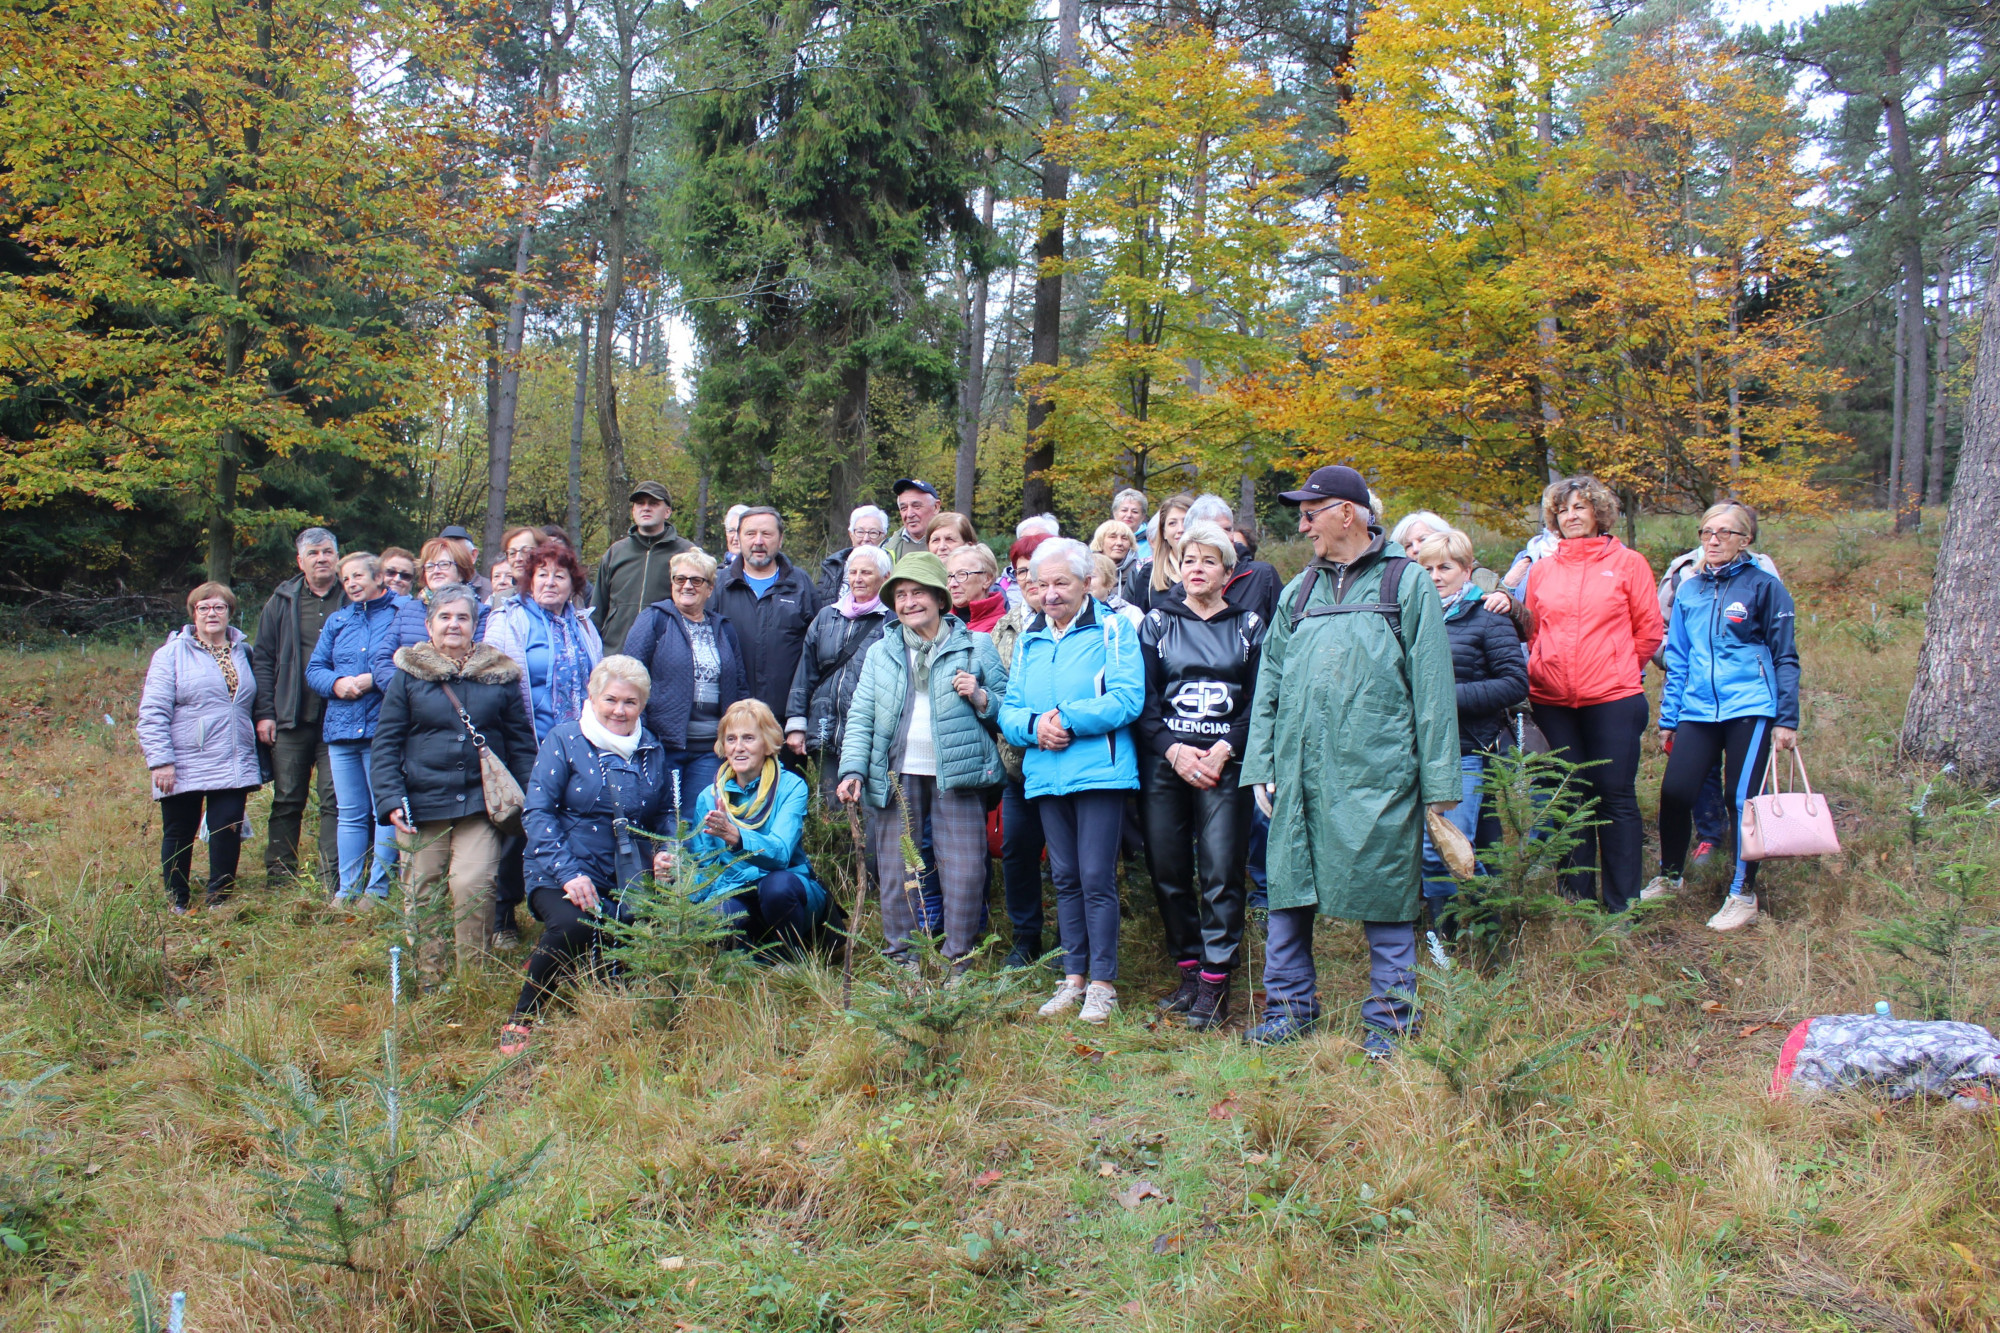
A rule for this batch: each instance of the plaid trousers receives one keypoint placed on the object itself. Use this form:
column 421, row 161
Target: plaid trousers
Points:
column 958, row 840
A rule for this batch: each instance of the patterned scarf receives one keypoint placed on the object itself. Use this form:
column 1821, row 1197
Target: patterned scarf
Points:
column 225, row 657
column 922, row 649
column 752, row 813
column 569, row 666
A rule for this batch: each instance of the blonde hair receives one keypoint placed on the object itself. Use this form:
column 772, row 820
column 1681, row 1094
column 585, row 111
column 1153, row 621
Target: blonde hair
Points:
column 1167, row 555
column 756, row 714
column 619, row 667
column 1111, row 527
column 980, row 552
column 1733, row 507
column 1451, row 544
column 697, row 560
column 1602, row 502
column 1102, row 567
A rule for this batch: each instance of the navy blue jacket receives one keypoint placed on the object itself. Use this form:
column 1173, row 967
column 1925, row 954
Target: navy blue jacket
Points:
column 1730, row 650
column 569, row 811
column 412, row 627
column 659, row 639
column 1489, row 670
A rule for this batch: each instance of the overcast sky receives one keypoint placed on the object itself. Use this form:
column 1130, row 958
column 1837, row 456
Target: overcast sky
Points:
column 1764, row 13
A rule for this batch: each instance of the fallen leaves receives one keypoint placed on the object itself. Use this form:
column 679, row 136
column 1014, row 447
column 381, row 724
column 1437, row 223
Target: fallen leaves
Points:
column 1754, row 1029
column 1168, row 1242
column 673, row 1263
column 1223, row 1110
column 987, row 1179
column 1711, row 1006
column 1137, row 1193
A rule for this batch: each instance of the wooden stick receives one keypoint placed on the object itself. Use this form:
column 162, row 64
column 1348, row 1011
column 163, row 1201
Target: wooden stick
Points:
column 860, row 897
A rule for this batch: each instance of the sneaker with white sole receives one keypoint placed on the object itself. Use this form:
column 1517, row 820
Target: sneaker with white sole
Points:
column 1062, row 1001
column 1738, row 910
column 1661, row 886
column 1098, row 1002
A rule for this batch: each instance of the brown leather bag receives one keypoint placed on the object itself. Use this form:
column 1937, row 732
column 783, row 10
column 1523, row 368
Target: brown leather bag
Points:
column 504, row 797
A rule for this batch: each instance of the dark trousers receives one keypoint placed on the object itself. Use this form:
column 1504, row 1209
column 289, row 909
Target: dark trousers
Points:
column 1605, row 736
column 776, row 917
column 696, row 769
column 568, row 934
column 510, row 886
column 1711, row 812
column 1021, row 845
column 180, row 817
column 1084, row 830
column 297, row 756
column 1196, row 842
column 1744, row 746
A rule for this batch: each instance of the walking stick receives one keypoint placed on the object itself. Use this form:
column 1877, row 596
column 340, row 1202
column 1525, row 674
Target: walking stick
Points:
column 860, row 897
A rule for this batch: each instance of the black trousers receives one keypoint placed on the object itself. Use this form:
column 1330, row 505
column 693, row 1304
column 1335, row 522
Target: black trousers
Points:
column 1196, row 844
column 510, row 884
column 180, row 817
column 299, row 759
column 568, row 933
column 1021, row 844
column 1744, row 746
column 1605, row 736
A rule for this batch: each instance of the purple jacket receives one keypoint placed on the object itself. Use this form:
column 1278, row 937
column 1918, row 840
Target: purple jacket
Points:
column 187, row 717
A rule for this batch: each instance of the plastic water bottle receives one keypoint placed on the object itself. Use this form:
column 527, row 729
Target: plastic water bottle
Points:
column 1881, row 1008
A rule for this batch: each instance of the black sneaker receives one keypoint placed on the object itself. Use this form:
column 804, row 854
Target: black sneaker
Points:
column 1025, row 953
column 1211, row 1005
column 1182, row 999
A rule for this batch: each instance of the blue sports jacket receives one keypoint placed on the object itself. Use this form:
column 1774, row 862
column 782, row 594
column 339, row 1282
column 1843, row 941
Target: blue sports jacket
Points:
column 1730, row 650
column 351, row 644
column 1095, row 679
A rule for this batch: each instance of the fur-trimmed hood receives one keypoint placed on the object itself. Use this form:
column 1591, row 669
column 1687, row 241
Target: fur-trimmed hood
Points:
column 487, row 665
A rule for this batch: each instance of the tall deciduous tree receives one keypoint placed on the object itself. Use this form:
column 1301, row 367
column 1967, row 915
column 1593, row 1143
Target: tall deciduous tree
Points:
column 235, row 238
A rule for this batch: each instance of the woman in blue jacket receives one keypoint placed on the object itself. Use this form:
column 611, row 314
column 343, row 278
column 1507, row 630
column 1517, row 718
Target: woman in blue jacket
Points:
column 1077, row 684
column 342, row 671
column 749, row 841
column 1732, row 690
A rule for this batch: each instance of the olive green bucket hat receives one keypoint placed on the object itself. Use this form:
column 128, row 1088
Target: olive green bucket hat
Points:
column 919, row 567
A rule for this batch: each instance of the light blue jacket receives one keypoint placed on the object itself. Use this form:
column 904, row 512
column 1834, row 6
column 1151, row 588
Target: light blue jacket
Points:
column 1730, row 650
column 351, row 644
column 1095, row 679
column 778, row 845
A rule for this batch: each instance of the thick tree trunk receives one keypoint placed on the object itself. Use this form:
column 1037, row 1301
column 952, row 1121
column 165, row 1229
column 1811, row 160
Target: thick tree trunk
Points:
column 573, row 521
column 1045, row 342
column 1954, row 712
column 973, row 395
column 618, row 191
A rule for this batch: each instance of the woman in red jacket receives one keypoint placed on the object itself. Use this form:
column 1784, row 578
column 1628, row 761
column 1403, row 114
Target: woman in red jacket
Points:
column 1596, row 619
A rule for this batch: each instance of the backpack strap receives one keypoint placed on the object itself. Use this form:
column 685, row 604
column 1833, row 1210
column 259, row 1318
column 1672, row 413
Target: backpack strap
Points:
column 1390, row 606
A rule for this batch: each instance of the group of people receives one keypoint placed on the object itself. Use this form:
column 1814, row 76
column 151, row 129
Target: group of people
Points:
column 1156, row 691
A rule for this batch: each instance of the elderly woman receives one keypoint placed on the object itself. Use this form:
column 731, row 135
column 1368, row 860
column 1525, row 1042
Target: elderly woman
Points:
column 445, row 562
column 1078, row 684
column 972, row 573
column 1412, row 530
column 200, row 742
column 830, row 663
column 947, row 532
column 1115, row 539
column 1490, row 676
column 1129, row 507
column 1732, row 693
column 928, row 688
column 341, row 671
column 1596, row 621
column 1104, row 585
column 697, row 667
column 1151, row 577
column 1200, row 653
column 866, row 526
column 451, row 696
column 399, row 571
column 599, row 777
column 749, row 840
column 555, row 648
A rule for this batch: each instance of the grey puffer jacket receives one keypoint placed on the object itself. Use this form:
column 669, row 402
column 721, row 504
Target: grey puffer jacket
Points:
column 188, row 718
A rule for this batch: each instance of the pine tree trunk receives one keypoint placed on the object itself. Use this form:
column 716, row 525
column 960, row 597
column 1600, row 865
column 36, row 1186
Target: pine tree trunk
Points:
column 1045, row 342
column 1934, row 474
column 850, row 441
column 574, row 519
column 228, row 469
column 1954, row 712
column 1899, row 380
column 973, row 395
column 618, row 191
column 1915, row 386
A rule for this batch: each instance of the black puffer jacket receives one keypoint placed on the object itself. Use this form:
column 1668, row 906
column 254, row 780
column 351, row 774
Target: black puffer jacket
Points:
column 421, row 753
column 1200, row 675
column 1491, row 672
column 832, row 575
column 829, row 668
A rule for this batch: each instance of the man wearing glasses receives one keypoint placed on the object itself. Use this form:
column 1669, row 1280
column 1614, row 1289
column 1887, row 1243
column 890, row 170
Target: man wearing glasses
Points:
column 634, row 572
column 289, row 714
column 866, row 526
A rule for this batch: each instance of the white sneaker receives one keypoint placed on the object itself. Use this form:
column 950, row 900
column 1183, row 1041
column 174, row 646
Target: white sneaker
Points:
column 1660, row 887
column 1062, row 1001
column 1738, row 910
column 1098, row 1002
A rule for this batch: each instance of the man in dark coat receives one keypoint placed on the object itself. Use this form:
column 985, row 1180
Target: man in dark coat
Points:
column 289, row 714
column 633, row 574
column 771, row 603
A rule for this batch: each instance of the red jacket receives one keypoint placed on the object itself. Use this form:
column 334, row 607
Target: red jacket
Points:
column 1597, row 622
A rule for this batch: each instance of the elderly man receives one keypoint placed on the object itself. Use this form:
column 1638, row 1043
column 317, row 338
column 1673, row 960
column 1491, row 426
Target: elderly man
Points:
column 771, row 603
column 916, row 505
column 731, row 522
column 1353, row 731
column 634, row 572
column 289, row 714
column 866, row 526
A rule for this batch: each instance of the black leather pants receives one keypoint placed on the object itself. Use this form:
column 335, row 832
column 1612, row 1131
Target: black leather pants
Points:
column 1195, row 845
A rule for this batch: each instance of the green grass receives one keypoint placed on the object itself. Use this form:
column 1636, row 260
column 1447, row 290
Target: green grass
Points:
column 765, row 1163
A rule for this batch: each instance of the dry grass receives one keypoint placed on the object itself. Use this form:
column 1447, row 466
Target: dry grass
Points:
column 762, row 1165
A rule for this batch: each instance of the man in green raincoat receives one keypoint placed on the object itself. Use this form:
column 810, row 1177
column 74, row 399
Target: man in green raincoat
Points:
column 1354, row 730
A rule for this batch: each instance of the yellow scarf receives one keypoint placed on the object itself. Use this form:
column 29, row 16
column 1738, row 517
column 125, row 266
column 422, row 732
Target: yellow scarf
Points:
column 760, row 800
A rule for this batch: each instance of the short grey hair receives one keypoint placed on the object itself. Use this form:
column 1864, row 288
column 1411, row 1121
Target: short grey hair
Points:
column 620, row 667
column 874, row 555
column 869, row 511
column 979, row 552
column 1408, row 521
column 316, row 537
column 735, row 512
column 1210, row 509
column 1129, row 493
column 1042, row 523
column 445, row 596
column 1073, row 554
column 754, row 511
column 1214, row 536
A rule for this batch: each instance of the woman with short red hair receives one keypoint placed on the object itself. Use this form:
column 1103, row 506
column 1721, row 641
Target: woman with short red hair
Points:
column 556, row 648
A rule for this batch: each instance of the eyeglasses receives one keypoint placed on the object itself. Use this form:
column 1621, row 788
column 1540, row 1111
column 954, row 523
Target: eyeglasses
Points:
column 689, row 581
column 1312, row 515
column 965, row 574
column 212, row 609
column 436, row 565
column 867, row 535
column 1716, row 534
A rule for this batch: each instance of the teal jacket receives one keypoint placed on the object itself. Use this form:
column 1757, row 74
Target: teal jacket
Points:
column 778, row 845
column 878, row 717
column 1095, row 679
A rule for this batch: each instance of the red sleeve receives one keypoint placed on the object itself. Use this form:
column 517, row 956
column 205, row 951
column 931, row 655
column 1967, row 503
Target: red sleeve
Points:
column 1643, row 594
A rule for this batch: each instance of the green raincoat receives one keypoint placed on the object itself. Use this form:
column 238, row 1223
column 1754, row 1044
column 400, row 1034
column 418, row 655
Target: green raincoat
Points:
column 1359, row 732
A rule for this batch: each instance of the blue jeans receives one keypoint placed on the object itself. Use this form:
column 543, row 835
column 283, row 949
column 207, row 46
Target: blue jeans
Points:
column 358, row 829
column 1291, row 981
column 1438, row 883
column 697, row 767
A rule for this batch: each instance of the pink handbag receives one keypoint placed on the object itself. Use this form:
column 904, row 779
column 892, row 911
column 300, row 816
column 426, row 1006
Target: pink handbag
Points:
column 1786, row 823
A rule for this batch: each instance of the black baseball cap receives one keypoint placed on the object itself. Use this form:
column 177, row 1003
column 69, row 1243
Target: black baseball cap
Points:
column 913, row 484
column 456, row 531
column 1331, row 483
column 652, row 490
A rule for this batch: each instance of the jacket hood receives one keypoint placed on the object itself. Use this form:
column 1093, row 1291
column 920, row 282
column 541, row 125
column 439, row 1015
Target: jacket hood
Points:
column 487, row 665
column 1377, row 544
column 236, row 636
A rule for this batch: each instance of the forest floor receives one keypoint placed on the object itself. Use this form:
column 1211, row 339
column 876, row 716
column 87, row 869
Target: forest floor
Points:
column 761, row 1161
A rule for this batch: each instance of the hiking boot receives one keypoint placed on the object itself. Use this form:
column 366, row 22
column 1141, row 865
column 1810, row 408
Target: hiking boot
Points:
column 1182, row 998
column 1062, row 1001
column 1278, row 1028
column 1738, row 910
column 1099, row 999
column 1703, row 850
column 1660, row 887
column 1211, row 1004
column 1379, row 1046
column 1025, row 953
column 506, row 940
